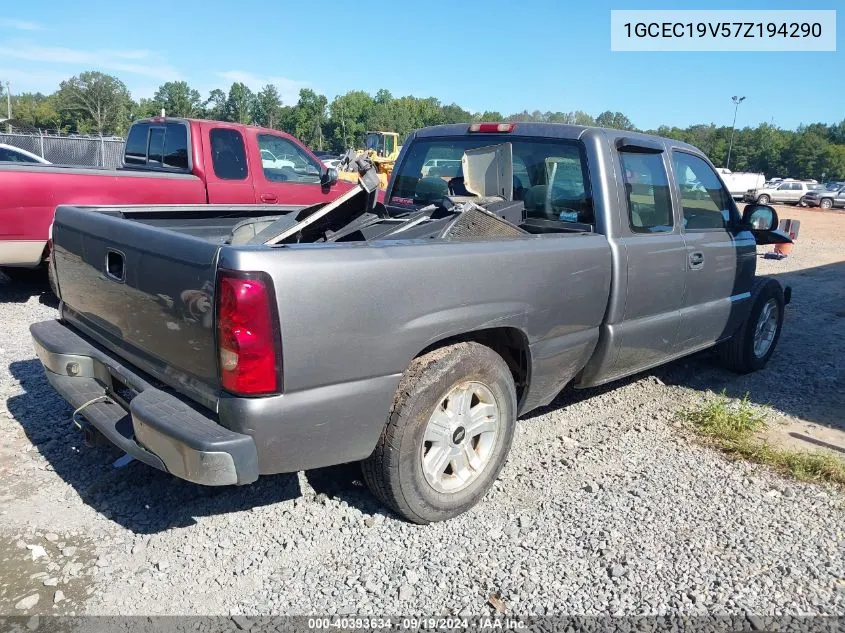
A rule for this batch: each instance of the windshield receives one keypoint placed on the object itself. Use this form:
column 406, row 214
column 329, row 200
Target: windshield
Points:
column 373, row 141
column 551, row 177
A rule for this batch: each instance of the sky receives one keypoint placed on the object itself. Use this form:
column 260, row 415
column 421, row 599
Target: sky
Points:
column 483, row 55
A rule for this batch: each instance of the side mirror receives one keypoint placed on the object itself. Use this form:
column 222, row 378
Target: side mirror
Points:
column 329, row 177
column 760, row 217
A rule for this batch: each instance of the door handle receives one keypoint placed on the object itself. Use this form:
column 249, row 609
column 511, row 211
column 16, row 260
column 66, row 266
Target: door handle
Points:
column 696, row 260
column 271, row 198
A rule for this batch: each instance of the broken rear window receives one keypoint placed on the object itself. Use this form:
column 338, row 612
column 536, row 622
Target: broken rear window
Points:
column 549, row 176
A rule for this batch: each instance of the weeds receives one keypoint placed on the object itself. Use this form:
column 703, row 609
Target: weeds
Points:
column 731, row 425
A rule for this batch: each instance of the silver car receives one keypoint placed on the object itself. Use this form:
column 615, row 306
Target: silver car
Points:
column 788, row 192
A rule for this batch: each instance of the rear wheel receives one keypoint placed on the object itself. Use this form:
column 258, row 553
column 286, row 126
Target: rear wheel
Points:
column 826, row 203
column 447, row 436
column 764, row 199
column 754, row 343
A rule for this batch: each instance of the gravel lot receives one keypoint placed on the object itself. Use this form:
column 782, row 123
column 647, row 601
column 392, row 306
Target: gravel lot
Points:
column 604, row 507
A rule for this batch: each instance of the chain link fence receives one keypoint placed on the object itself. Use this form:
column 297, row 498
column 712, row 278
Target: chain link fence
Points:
column 83, row 151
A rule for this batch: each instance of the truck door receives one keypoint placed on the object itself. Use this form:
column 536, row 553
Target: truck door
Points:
column 227, row 173
column 720, row 257
column 656, row 259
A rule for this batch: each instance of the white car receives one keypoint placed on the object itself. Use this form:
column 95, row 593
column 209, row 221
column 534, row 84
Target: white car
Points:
column 11, row 154
column 271, row 161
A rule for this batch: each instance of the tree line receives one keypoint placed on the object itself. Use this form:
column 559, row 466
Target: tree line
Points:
column 97, row 103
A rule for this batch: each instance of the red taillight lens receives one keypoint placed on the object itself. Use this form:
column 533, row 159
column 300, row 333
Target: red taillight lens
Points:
column 247, row 336
column 491, row 128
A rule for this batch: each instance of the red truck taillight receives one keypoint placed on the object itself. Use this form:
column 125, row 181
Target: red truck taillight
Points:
column 248, row 338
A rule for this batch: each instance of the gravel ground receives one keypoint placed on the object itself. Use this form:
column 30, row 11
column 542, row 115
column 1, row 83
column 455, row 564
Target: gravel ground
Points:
column 605, row 506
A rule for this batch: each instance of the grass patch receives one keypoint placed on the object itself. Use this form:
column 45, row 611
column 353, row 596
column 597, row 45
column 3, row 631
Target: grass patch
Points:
column 731, row 425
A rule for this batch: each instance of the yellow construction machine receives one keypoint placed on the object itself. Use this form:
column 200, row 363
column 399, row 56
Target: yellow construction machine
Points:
column 382, row 148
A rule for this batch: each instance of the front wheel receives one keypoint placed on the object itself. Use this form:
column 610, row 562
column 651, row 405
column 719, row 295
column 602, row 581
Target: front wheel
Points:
column 754, row 343
column 826, row 203
column 447, row 435
column 764, row 199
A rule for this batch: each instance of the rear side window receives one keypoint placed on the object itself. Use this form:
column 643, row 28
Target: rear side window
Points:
column 228, row 155
column 647, row 192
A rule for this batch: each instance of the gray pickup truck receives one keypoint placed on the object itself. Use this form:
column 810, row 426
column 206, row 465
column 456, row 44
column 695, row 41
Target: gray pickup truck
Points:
column 220, row 343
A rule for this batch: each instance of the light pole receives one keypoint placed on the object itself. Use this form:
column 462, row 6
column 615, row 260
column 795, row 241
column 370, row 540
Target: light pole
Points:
column 737, row 101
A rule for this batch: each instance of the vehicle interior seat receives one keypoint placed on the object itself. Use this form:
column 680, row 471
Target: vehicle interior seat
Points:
column 429, row 189
column 535, row 202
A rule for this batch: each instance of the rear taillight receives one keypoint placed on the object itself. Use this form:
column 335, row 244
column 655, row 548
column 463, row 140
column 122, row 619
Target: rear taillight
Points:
column 247, row 334
column 491, row 128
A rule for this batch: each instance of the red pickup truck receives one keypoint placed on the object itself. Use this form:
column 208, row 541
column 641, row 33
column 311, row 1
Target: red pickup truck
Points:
column 166, row 161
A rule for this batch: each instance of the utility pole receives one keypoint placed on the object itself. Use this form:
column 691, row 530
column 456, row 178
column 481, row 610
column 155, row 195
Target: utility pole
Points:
column 737, row 101
column 8, row 107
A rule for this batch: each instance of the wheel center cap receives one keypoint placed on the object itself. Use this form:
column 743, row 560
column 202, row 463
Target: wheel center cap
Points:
column 459, row 435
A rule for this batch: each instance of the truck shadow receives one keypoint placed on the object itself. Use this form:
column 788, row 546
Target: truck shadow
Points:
column 146, row 501
column 791, row 383
column 33, row 284
column 139, row 498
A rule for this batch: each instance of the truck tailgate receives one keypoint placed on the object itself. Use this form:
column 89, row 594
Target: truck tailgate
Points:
column 143, row 292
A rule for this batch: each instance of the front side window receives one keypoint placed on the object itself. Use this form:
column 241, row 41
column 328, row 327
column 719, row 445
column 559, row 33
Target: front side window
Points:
column 704, row 202
column 550, row 177
column 647, row 192
column 228, row 155
column 283, row 161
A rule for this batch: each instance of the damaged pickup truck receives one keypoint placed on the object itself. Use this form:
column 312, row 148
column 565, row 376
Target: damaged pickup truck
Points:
column 220, row 343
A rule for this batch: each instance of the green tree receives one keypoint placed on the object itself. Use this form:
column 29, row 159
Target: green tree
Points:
column 268, row 107
column 97, row 102
column 615, row 120
column 214, row 107
column 178, row 99
column 309, row 118
column 833, row 165
column 806, row 155
column 349, row 115
column 145, row 108
column 240, row 103
column 488, row 116
column 36, row 110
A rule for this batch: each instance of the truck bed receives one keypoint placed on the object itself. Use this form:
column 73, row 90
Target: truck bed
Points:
column 384, row 298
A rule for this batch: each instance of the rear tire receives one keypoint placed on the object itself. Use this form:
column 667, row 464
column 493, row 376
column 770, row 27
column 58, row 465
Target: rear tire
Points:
column 754, row 343
column 764, row 199
column 440, row 451
column 826, row 203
